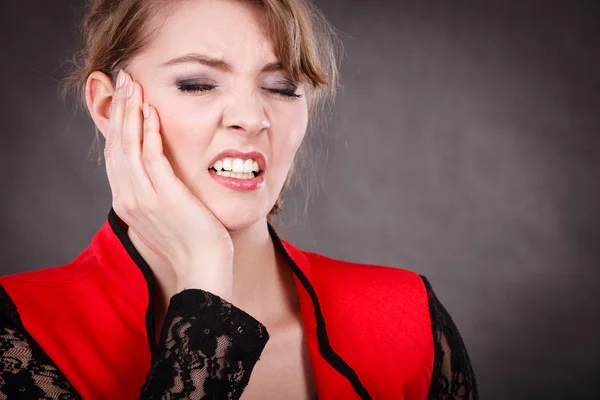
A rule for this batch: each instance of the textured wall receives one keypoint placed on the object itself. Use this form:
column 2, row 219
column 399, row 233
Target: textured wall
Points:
column 465, row 146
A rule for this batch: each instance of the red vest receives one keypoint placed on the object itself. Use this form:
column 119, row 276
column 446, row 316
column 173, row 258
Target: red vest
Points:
column 368, row 327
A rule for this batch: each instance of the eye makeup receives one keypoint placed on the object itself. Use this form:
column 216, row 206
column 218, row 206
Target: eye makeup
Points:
column 194, row 85
column 280, row 87
column 283, row 87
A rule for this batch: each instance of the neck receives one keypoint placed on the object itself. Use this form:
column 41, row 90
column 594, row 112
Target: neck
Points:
column 263, row 285
column 254, row 262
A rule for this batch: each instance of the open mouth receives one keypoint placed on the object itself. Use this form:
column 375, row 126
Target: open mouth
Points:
column 236, row 168
column 232, row 174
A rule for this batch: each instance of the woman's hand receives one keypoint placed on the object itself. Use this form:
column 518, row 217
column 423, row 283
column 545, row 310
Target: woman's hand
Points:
column 158, row 208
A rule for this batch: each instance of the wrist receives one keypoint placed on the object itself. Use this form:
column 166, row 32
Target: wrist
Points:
column 220, row 287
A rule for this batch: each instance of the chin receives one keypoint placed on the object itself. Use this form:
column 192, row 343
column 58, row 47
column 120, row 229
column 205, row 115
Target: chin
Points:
column 238, row 217
column 237, row 210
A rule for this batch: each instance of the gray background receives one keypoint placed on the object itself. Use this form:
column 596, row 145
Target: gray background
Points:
column 465, row 146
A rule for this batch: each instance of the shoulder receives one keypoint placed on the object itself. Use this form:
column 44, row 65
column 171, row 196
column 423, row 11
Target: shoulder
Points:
column 386, row 308
column 382, row 279
column 39, row 286
column 80, row 267
column 369, row 292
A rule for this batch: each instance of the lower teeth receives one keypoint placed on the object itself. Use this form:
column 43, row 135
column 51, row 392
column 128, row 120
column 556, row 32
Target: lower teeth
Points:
column 231, row 174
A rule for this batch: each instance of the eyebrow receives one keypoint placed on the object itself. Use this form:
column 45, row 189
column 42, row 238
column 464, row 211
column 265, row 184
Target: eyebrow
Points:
column 216, row 63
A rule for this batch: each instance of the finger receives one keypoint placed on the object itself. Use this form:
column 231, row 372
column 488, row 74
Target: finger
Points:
column 157, row 165
column 131, row 144
column 113, row 138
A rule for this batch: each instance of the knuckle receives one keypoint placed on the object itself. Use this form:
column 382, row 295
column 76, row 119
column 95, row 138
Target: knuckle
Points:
column 127, row 207
column 127, row 146
column 110, row 143
column 150, row 158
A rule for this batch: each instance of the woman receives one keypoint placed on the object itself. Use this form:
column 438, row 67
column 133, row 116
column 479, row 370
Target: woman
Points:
column 187, row 291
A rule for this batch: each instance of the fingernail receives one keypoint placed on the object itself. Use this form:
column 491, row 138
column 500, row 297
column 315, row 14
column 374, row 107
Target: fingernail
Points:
column 120, row 79
column 146, row 110
column 129, row 88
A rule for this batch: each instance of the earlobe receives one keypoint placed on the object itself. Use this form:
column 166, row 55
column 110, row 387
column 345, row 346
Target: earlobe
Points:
column 99, row 92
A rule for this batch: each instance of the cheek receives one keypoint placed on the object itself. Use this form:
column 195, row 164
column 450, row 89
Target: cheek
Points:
column 286, row 139
column 294, row 125
column 186, row 135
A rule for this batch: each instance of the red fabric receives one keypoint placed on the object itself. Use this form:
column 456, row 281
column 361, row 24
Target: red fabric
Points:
column 89, row 317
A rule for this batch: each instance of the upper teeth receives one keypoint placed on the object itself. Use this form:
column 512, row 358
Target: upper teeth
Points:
column 236, row 165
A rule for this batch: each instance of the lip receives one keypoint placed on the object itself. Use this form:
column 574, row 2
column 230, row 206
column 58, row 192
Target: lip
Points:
column 240, row 184
column 258, row 157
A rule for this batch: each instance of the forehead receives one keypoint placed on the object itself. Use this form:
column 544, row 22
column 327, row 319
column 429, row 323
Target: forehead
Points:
column 225, row 29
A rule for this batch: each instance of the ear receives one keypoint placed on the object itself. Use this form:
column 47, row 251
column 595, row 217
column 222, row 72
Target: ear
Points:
column 99, row 90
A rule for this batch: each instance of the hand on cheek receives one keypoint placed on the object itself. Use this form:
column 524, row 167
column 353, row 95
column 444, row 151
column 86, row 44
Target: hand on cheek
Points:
column 158, row 208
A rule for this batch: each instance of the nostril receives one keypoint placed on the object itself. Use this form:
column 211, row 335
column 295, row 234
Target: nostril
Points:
column 252, row 127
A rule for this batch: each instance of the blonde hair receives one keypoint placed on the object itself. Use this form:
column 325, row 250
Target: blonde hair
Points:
column 114, row 31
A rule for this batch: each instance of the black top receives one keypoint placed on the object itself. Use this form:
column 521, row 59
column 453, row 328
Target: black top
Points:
column 207, row 350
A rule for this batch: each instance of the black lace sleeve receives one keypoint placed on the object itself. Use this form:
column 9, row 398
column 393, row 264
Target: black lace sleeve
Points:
column 26, row 372
column 207, row 350
column 453, row 376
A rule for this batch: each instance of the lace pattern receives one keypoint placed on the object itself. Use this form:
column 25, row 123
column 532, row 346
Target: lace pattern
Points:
column 453, row 376
column 207, row 350
column 25, row 370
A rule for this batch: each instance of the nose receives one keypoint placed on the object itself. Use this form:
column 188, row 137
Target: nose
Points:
column 245, row 114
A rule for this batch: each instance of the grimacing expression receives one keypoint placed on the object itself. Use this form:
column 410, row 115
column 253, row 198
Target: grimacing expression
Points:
column 207, row 107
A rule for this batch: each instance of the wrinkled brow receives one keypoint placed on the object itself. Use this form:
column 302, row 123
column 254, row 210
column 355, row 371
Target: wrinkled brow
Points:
column 215, row 62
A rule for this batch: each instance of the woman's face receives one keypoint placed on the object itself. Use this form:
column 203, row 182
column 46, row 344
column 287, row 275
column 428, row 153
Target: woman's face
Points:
column 212, row 75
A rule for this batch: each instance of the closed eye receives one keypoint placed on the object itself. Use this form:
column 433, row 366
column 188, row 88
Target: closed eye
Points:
column 194, row 88
column 289, row 93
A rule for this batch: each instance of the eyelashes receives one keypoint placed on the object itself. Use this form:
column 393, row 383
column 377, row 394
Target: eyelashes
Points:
column 289, row 93
column 194, row 88
column 191, row 87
